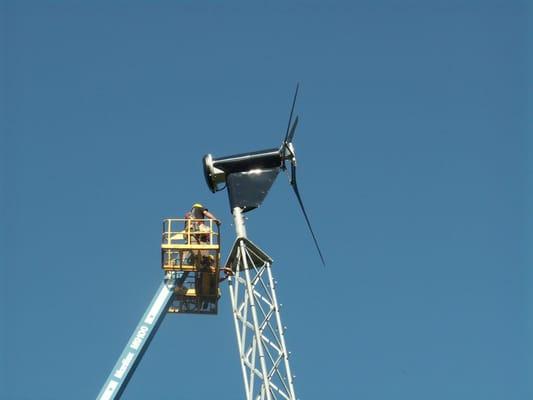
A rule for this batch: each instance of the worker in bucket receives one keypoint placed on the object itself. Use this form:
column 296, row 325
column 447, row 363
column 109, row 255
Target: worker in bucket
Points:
column 198, row 215
column 199, row 231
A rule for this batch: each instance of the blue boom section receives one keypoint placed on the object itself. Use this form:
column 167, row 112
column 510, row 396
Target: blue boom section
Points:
column 138, row 343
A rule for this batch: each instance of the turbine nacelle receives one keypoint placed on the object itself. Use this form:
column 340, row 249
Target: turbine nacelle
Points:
column 217, row 170
column 247, row 176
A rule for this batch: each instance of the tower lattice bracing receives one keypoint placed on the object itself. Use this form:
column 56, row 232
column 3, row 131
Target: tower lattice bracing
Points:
column 260, row 333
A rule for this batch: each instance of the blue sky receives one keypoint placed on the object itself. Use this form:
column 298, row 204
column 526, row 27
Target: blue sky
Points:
column 413, row 149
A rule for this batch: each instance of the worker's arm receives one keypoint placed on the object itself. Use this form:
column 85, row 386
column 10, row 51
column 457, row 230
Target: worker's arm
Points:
column 211, row 216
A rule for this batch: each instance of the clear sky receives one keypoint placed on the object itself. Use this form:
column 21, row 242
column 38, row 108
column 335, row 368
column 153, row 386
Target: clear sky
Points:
column 413, row 156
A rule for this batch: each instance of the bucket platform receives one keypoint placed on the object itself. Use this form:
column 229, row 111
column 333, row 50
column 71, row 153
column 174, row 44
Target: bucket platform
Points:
column 191, row 249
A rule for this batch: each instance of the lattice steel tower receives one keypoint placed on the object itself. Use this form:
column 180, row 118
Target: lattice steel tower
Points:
column 260, row 333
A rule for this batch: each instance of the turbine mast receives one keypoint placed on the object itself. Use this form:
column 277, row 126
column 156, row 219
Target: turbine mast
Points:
column 260, row 334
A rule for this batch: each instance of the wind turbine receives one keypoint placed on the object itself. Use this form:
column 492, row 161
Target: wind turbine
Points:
column 260, row 334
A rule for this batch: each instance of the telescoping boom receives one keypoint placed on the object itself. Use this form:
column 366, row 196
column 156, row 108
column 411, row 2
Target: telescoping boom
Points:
column 190, row 254
column 139, row 341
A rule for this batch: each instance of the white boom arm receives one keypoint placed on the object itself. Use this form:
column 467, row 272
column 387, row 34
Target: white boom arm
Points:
column 139, row 340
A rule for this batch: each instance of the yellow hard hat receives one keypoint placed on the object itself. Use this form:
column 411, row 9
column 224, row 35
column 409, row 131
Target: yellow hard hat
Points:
column 197, row 205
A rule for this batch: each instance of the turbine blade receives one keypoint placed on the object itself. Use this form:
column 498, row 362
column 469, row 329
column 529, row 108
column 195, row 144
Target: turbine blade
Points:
column 290, row 136
column 297, row 192
column 292, row 110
